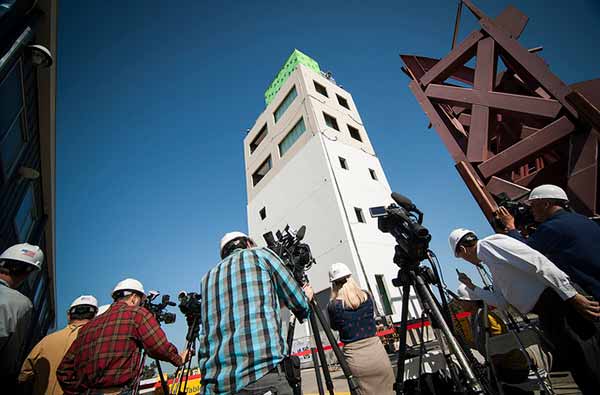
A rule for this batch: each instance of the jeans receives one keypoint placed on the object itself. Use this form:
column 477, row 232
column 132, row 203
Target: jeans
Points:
column 273, row 383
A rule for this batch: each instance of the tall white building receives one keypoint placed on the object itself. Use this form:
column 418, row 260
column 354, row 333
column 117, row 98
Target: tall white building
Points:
column 309, row 162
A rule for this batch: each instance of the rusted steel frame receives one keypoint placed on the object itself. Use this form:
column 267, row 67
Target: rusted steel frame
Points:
column 485, row 73
column 527, row 147
column 483, row 198
column 589, row 113
column 513, row 21
column 505, row 101
column 583, row 172
column 497, row 185
column 419, row 65
column 529, row 63
column 457, row 57
column 438, row 123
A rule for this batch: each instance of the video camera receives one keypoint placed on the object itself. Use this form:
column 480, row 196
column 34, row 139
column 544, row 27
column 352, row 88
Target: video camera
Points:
column 190, row 304
column 403, row 220
column 158, row 309
column 519, row 210
column 296, row 255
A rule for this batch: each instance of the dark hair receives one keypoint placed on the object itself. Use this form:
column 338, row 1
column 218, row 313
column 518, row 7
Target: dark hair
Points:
column 240, row 242
column 14, row 268
column 468, row 240
column 83, row 312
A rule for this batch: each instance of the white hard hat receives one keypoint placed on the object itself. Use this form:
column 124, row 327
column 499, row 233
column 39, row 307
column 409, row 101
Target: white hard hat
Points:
column 84, row 300
column 547, row 191
column 102, row 309
column 26, row 253
column 338, row 270
column 129, row 284
column 464, row 293
column 455, row 237
column 230, row 236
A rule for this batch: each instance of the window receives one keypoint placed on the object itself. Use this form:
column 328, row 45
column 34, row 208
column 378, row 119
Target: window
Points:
column 262, row 170
column 263, row 213
column 343, row 163
column 383, row 295
column 286, row 102
column 343, row 102
column 258, row 139
column 293, row 135
column 12, row 136
column 354, row 133
column 359, row 215
column 373, row 174
column 331, row 121
column 25, row 215
column 321, row 89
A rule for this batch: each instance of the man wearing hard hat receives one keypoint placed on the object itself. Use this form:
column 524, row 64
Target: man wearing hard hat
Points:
column 105, row 357
column 571, row 241
column 243, row 348
column 39, row 368
column 16, row 264
column 528, row 281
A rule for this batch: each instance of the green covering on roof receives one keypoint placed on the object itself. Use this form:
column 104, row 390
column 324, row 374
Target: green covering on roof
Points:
column 295, row 58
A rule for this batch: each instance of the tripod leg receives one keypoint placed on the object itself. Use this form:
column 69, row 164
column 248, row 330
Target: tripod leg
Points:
column 163, row 383
column 352, row 384
column 321, row 352
column 315, row 360
column 297, row 386
column 399, row 384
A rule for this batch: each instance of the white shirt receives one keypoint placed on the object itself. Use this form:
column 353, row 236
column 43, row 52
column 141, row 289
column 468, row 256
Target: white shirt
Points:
column 519, row 274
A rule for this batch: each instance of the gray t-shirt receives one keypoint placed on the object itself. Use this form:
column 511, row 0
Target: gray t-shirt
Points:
column 16, row 311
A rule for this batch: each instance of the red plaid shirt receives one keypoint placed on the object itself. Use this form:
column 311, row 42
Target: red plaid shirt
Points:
column 107, row 351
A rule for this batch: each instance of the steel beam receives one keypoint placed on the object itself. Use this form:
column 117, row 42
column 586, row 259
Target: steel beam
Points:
column 527, row 147
column 483, row 198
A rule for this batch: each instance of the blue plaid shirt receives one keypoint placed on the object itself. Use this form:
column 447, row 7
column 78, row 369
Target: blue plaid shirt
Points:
column 241, row 322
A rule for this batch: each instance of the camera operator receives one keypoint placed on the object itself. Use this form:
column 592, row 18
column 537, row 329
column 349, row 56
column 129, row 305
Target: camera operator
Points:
column 351, row 314
column 243, row 346
column 527, row 280
column 105, row 357
column 570, row 240
column 39, row 368
column 16, row 264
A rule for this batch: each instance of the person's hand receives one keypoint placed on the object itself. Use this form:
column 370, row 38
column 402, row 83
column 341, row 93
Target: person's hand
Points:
column 463, row 278
column 186, row 355
column 308, row 291
column 506, row 218
column 589, row 309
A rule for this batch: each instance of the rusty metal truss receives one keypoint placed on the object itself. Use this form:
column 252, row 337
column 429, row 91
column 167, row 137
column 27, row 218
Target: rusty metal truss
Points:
column 509, row 123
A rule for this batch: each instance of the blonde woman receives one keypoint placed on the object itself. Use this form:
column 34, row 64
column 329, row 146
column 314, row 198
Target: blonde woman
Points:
column 351, row 314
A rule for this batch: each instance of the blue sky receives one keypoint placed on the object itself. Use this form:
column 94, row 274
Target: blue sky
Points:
column 154, row 99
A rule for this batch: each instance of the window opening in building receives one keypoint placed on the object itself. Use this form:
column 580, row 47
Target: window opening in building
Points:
column 12, row 132
column 25, row 215
column 285, row 103
column 354, row 133
column 373, row 174
column 321, row 89
column 383, row 295
column 331, row 121
column 258, row 138
column 262, row 170
column 359, row 215
column 263, row 213
column 343, row 163
column 343, row 102
column 293, row 135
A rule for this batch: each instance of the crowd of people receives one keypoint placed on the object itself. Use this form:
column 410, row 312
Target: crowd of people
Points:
column 554, row 273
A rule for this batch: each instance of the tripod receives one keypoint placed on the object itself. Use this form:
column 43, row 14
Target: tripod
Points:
column 182, row 373
column 316, row 315
column 412, row 274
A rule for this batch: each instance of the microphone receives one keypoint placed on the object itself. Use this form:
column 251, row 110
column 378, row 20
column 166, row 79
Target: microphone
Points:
column 403, row 201
column 300, row 233
column 269, row 238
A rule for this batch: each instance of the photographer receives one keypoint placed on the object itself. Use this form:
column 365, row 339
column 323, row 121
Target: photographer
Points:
column 39, row 368
column 570, row 240
column 527, row 280
column 105, row 357
column 243, row 346
column 351, row 314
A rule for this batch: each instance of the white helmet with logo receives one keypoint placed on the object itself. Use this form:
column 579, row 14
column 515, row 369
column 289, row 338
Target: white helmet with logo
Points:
column 548, row 191
column 338, row 271
column 84, row 300
column 455, row 236
column 229, row 237
column 25, row 253
column 128, row 285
